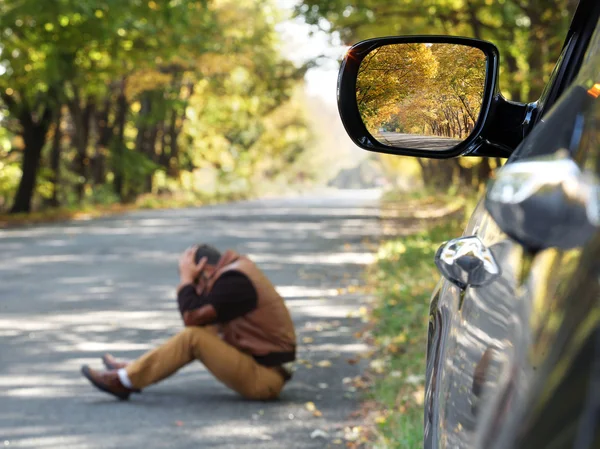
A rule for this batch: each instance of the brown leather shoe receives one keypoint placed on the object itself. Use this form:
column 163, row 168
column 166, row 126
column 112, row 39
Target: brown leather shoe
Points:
column 112, row 363
column 107, row 381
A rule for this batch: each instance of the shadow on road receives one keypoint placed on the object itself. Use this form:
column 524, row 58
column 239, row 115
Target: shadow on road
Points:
column 71, row 292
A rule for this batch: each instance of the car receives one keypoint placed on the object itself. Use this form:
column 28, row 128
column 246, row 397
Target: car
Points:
column 513, row 353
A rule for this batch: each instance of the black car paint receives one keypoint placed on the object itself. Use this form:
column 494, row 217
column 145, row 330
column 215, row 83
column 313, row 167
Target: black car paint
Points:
column 516, row 363
column 512, row 364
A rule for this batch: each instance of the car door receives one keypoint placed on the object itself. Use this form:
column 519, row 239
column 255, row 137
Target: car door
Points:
column 510, row 360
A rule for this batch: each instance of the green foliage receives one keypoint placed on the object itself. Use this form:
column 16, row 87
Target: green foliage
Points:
column 132, row 89
column 529, row 33
column 404, row 276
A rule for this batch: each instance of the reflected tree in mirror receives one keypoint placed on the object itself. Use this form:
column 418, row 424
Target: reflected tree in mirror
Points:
column 421, row 95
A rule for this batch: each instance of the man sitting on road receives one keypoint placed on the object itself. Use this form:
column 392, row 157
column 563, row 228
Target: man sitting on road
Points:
column 237, row 325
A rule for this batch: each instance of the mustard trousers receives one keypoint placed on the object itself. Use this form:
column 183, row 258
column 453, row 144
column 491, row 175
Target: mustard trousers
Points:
column 235, row 369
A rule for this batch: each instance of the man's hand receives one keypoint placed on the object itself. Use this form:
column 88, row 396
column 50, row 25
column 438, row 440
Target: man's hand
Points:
column 189, row 270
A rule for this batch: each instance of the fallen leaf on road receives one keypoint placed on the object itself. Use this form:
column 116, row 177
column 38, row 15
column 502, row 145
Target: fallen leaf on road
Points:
column 352, row 433
column 337, row 441
column 324, row 364
column 317, row 413
column 310, row 406
column 352, row 361
column 318, row 433
column 308, row 340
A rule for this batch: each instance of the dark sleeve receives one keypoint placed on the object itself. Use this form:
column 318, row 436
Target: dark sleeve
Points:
column 232, row 296
column 188, row 299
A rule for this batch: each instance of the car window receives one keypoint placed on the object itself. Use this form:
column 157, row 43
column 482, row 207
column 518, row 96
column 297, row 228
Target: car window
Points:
column 555, row 131
column 590, row 69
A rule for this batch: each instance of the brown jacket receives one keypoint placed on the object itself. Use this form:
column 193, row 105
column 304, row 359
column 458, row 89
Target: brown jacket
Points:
column 266, row 332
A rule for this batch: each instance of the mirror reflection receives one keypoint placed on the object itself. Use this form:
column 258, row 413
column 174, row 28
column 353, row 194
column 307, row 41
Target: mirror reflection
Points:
column 420, row 95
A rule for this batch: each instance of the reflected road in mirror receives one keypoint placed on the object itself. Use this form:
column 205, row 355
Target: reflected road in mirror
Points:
column 415, row 141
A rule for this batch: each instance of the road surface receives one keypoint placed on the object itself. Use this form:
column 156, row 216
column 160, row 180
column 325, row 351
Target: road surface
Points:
column 417, row 142
column 71, row 292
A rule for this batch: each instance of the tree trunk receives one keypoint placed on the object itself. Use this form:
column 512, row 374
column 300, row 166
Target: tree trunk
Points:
column 173, row 132
column 81, row 117
column 484, row 170
column 163, row 158
column 34, row 136
column 119, row 144
column 104, row 138
column 513, row 68
column 55, row 161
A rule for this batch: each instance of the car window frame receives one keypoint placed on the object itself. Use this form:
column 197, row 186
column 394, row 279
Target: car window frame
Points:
column 581, row 30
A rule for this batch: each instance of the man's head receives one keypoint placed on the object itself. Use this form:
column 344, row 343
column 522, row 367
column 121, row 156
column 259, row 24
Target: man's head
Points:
column 211, row 253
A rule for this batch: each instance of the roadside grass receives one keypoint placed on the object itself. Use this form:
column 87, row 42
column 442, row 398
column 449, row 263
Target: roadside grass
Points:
column 403, row 278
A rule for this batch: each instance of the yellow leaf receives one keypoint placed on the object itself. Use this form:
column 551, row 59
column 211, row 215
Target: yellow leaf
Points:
column 400, row 338
column 310, row 406
column 308, row 340
column 419, row 396
column 381, row 420
column 324, row 364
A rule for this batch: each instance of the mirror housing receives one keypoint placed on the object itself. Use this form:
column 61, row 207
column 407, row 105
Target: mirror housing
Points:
column 497, row 131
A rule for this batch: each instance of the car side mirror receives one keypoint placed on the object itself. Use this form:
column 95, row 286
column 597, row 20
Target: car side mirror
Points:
column 425, row 96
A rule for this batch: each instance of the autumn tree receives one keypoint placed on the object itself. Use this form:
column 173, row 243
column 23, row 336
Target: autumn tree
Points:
column 97, row 97
column 390, row 74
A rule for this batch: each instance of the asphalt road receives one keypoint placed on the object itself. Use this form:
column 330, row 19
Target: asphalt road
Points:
column 417, row 142
column 73, row 291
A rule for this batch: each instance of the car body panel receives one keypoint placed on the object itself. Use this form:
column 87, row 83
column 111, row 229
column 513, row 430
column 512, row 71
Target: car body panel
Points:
column 510, row 363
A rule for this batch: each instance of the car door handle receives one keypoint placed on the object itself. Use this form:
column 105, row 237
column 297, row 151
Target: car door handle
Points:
column 466, row 261
column 545, row 202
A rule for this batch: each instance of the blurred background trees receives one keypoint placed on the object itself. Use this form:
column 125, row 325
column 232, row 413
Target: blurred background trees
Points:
column 528, row 33
column 104, row 101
